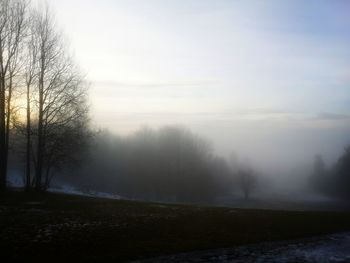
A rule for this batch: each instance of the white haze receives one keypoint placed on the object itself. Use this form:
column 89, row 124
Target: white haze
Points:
column 267, row 81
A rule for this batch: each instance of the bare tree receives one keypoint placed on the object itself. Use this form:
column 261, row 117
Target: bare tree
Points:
column 246, row 181
column 30, row 76
column 61, row 99
column 12, row 33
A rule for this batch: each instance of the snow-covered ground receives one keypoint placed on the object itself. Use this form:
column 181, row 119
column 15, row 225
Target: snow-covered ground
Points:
column 66, row 189
column 16, row 181
column 322, row 249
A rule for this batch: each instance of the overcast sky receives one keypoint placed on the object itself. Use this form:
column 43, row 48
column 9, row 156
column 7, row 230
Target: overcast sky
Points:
column 267, row 79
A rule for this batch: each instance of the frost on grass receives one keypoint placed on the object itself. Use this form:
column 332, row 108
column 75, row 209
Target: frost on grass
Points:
column 331, row 248
column 50, row 231
column 66, row 189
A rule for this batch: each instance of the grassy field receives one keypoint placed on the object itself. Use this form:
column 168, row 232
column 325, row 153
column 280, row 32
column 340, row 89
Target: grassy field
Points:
column 58, row 227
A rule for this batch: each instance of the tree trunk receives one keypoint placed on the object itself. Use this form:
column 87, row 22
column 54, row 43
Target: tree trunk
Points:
column 28, row 148
column 7, row 122
column 3, row 157
column 40, row 148
column 39, row 168
column 47, row 178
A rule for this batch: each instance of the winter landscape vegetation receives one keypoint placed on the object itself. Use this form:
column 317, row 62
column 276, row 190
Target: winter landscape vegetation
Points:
column 174, row 131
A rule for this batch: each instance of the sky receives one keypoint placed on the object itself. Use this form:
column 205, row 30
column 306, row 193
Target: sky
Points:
column 269, row 80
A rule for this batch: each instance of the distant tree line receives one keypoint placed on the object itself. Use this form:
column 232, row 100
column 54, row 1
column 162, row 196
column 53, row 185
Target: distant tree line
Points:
column 166, row 164
column 43, row 109
column 335, row 180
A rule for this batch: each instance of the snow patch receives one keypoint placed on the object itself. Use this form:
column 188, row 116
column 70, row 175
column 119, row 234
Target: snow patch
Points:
column 66, row 189
column 322, row 249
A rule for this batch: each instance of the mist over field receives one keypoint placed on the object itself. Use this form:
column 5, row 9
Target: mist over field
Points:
column 265, row 81
column 136, row 129
column 251, row 86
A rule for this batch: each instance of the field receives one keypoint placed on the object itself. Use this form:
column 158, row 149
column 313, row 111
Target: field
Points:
column 58, row 227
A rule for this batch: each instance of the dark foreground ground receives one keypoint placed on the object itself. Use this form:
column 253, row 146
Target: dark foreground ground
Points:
column 332, row 248
column 58, row 227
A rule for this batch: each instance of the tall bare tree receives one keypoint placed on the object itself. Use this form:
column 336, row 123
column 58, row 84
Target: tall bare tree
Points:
column 12, row 33
column 61, row 98
column 30, row 76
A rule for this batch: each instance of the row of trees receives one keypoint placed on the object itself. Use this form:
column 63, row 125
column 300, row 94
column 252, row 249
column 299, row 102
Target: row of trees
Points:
column 335, row 180
column 169, row 164
column 42, row 94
